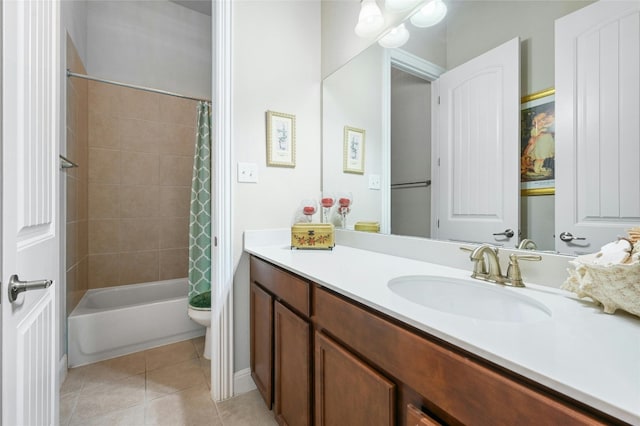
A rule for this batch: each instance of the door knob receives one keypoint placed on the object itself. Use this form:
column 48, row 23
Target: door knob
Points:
column 16, row 286
column 507, row 233
column 568, row 237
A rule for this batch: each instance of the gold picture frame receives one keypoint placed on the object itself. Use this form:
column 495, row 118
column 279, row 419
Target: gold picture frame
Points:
column 281, row 139
column 537, row 143
column 354, row 148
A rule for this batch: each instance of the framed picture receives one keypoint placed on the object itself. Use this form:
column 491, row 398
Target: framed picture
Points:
column 353, row 150
column 537, row 143
column 281, row 139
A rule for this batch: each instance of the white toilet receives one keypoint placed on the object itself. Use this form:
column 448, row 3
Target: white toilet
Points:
column 203, row 317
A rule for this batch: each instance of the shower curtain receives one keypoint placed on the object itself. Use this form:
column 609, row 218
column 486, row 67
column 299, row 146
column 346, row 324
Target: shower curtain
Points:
column 200, row 214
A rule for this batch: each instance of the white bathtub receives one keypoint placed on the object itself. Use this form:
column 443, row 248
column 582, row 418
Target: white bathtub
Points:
column 114, row 321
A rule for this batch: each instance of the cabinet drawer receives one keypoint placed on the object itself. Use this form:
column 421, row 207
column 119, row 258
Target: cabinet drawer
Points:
column 285, row 286
column 348, row 391
column 465, row 390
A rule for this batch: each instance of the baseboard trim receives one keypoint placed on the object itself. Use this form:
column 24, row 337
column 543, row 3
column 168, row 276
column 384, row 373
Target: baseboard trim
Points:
column 242, row 382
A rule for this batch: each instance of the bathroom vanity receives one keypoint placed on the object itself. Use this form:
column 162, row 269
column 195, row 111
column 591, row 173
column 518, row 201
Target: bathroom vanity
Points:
column 332, row 344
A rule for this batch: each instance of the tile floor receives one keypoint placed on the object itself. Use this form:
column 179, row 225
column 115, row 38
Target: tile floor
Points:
column 168, row 385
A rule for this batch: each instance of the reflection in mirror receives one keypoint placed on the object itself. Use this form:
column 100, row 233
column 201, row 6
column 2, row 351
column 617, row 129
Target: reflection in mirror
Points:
column 365, row 92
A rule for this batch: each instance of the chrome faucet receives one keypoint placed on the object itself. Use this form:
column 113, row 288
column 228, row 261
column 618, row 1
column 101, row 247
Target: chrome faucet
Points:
column 487, row 255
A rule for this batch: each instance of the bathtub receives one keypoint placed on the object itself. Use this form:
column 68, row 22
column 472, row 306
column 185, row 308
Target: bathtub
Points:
column 114, row 321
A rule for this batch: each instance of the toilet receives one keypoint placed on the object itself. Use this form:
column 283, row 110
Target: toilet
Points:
column 202, row 316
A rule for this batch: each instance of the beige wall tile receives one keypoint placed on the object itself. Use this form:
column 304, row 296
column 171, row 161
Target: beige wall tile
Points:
column 177, row 140
column 104, row 165
column 72, row 199
column 139, row 234
column 72, row 106
column 139, row 267
column 83, row 200
column 83, row 275
column 139, row 104
column 72, row 243
column 139, row 201
column 104, row 201
column 72, row 288
column 174, row 263
column 174, row 232
column 174, row 201
column 103, row 98
column 139, row 135
column 104, row 270
column 103, row 131
column 140, row 168
column 104, row 236
column 71, row 151
column 82, row 238
column 178, row 111
column 176, row 170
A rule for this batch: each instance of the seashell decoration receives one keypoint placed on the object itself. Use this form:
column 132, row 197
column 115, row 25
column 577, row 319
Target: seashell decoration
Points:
column 610, row 277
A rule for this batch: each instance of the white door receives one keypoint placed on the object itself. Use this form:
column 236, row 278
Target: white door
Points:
column 30, row 232
column 597, row 125
column 476, row 188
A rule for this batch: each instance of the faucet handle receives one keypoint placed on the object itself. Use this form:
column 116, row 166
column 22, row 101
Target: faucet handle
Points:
column 480, row 266
column 514, row 274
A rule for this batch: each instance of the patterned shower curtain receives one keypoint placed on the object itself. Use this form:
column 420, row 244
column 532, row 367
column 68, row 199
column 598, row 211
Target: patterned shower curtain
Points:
column 200, row 215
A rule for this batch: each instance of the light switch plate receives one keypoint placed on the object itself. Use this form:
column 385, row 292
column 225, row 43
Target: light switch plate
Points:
column 374, row 182
column 247, row 173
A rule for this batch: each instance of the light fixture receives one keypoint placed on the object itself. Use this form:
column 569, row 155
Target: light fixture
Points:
column 370, row 20
column 395, row 38
column 429, row 14
column 398, row 5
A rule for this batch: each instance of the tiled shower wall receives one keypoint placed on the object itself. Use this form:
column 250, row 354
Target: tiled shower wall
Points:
column 77, row 265
column 141, row 148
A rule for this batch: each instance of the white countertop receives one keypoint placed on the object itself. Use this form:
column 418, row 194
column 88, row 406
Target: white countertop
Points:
column 579, row 351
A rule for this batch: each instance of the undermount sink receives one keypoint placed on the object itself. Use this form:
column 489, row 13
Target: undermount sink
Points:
column 468, row 298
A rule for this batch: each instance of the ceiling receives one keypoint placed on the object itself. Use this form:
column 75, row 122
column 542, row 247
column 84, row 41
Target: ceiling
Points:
column 202, row 6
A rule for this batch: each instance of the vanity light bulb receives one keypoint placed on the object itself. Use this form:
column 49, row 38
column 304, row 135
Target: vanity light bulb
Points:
column 395, row 38
column 370, row 20
column 430, row 14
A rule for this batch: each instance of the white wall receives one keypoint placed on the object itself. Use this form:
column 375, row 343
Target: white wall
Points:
column 73, row 16
column 353, row 97
column 483, row 25
column 276, row 66
column 155, row 44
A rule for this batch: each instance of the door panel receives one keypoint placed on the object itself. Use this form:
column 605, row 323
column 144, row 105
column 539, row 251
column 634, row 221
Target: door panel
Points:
column 598, row 105
column 476, row 187
column 30, row 205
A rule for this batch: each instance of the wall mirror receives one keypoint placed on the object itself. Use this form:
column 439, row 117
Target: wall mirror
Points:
column 388, row 92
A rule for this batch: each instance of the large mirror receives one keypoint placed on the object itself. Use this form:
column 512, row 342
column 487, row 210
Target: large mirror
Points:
column 384, row 92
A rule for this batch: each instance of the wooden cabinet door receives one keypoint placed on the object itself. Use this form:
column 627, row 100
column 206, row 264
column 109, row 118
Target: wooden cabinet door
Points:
column 292, row 387
column 261, row 306
column 348, row 391
column 416, row 417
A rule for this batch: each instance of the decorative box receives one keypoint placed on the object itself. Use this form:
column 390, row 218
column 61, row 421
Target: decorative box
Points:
column 367, row 226
column 312, row 236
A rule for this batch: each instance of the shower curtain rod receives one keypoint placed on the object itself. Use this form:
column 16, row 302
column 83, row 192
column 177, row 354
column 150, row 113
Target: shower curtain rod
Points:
column 133, row 86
